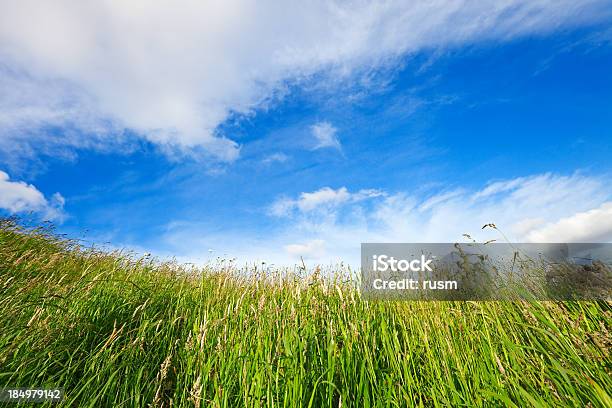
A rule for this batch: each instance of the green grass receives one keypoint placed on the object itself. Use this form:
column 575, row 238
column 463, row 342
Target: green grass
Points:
column 121, row 332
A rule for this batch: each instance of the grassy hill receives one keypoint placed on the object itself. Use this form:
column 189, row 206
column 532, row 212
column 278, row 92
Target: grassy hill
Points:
column 121, row 332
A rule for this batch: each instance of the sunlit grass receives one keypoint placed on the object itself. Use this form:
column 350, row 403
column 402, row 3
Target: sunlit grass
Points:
column 115, row 331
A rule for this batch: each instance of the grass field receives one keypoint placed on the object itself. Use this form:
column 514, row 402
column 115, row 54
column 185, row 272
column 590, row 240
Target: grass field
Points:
column 120, row 332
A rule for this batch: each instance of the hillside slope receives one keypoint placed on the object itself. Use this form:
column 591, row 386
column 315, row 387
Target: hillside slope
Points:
column 121, row 332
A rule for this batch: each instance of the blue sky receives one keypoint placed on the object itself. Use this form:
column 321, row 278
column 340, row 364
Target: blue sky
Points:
column 391, row 123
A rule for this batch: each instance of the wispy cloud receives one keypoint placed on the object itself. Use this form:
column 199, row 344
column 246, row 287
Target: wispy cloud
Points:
column 589, row 226
column 331, row 223
column 325, row 135
column 19, row 197
column 108, row 66
column 324, row 198
column 275, row 158
column 314, row 249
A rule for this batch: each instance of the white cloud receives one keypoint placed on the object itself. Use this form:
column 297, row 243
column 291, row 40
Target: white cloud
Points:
column 438, row 199
column 325, row 135
column 324, row 196
column 275, row 158
column 19, row 197
column 498, row 187
column 589, row 226
column 173, row 71
column 314, row 249
column 322, row 199
column 523, row 227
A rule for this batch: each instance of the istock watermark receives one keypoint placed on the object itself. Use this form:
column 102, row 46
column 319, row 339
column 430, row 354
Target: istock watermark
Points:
column 383, row 263
column 493, row 271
